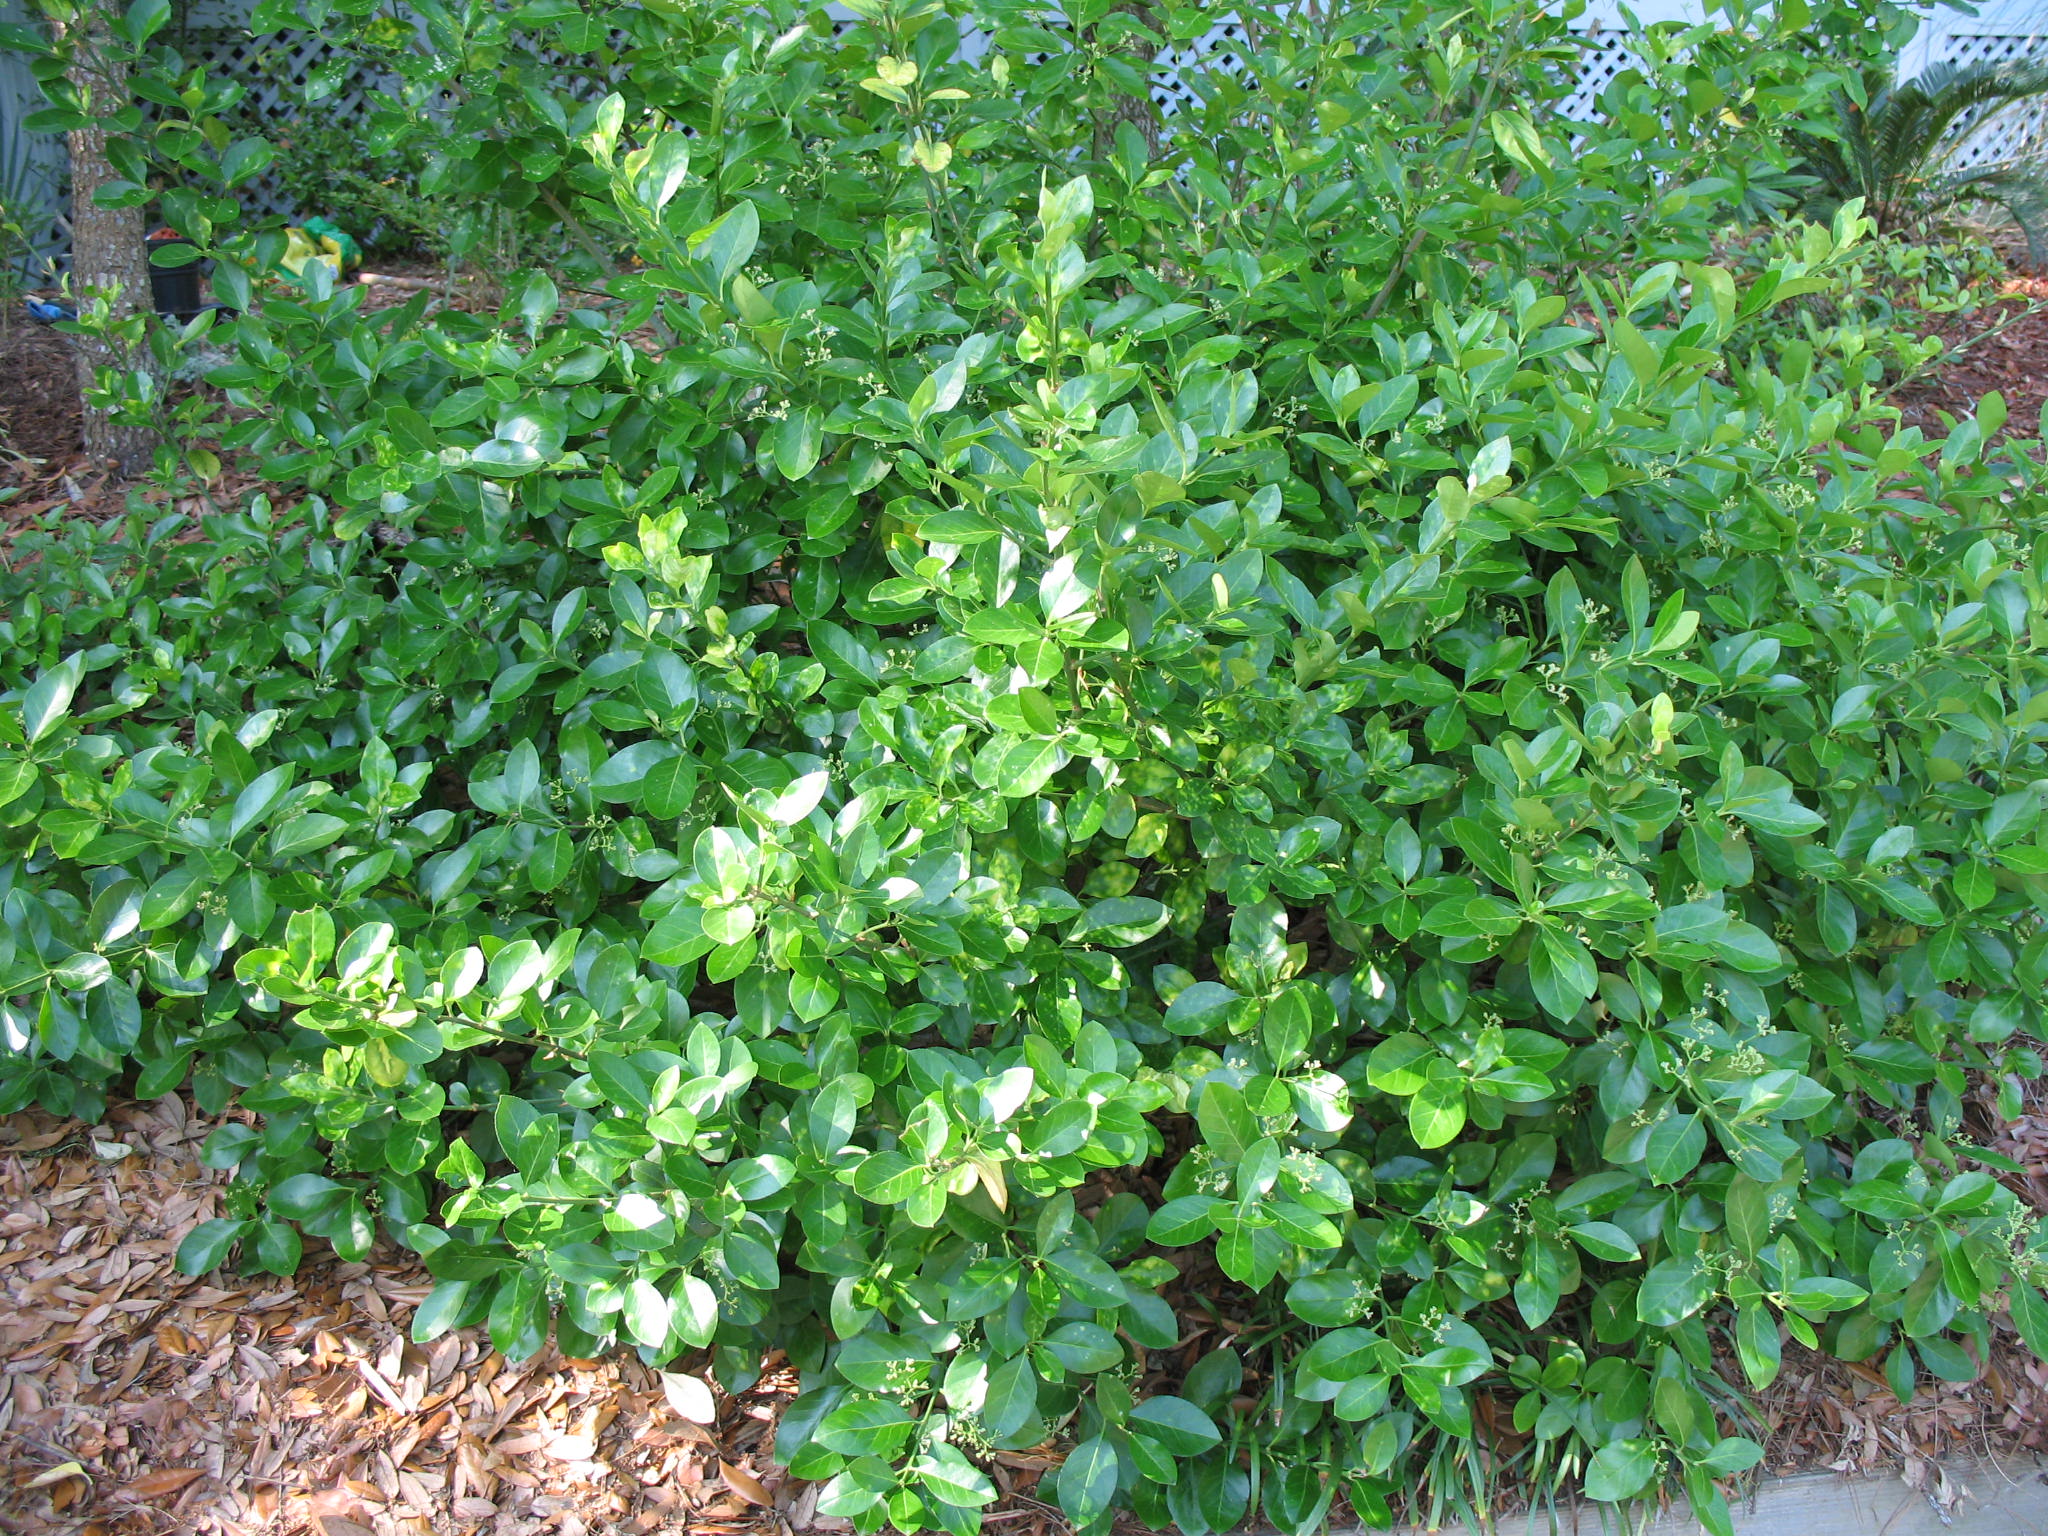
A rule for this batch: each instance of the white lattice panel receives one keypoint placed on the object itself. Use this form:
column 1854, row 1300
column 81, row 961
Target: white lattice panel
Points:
column 274, row 71
column 1605, row 54
column 2014, row 133
column 1176, row 71
column 1999, row 31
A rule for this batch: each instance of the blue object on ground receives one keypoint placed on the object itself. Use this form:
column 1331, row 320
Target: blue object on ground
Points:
column 48, row 313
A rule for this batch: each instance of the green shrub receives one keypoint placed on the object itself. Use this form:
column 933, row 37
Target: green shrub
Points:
column 1058, row 752
column 1867, row 329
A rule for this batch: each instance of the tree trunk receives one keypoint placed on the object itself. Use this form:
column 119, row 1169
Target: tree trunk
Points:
column 1139, row 111
column 107, row 254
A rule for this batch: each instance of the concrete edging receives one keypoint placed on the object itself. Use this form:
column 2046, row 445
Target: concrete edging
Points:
column 2007, row 1496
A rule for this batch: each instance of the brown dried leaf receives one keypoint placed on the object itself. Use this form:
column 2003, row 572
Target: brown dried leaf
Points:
column 745, row 1484
column 160, row 1484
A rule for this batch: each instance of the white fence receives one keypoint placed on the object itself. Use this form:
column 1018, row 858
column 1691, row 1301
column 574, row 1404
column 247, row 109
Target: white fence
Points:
column 2001, row 31
column 32, row 165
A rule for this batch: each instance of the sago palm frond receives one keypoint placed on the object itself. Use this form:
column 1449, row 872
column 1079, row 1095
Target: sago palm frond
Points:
column 2019, row 187
column 1898, row 153
column 1914, row 120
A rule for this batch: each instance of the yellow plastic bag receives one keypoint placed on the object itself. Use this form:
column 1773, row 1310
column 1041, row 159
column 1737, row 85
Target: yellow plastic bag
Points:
column 311, row 242
column 300, row 249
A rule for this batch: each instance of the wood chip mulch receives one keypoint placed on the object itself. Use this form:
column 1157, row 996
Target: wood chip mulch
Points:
column 1999, row 346
column 39, row 409
column 137, row 1400
column 1843, row 1416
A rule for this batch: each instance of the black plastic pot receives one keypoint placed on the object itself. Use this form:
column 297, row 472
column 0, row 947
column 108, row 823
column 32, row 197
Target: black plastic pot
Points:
column 174, row 290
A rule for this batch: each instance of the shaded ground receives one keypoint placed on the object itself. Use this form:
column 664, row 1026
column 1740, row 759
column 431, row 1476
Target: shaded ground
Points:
column 42, row 460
